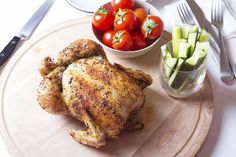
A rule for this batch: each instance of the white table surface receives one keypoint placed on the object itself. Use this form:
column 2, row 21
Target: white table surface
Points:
column 222, row 136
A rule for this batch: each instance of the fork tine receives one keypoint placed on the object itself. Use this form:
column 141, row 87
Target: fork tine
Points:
column 218, row 10
column 222, row 14
column 212, row 11
column 221, row 11
column 185, row 12
column 215, row 10
column 190, row 16
column 180, row 14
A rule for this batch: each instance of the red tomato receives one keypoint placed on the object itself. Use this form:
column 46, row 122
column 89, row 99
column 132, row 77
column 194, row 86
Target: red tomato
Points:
column 138, row 41
column 103, row 19
column 152, row 27
column 108, row 37
column 122, row 40
column 125, row 19
column 122, row 4
column 141, row 15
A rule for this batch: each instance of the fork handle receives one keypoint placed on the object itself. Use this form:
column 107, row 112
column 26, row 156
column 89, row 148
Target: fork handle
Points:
column 225, row 69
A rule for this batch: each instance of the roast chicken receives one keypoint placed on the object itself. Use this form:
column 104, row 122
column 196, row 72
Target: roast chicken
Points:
column 80, row 82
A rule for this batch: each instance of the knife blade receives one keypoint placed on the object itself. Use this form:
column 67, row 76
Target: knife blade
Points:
column 25, row 32
column 205, row 24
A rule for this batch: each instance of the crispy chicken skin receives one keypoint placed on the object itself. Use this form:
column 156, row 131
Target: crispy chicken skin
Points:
column 82, row 83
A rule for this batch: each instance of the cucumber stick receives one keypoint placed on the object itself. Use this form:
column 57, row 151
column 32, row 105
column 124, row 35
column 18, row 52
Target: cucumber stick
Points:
column 204, row 36
column 169, row 65
column 175, row 78
column 165, row 52
column 187, row 29
column 176, row 54
column 184, row 49
column 176, row 35
column 195, row 29
column 195, row 61
column 168, row 55
column 169, row 62
column 192, row 39
column 202, row 46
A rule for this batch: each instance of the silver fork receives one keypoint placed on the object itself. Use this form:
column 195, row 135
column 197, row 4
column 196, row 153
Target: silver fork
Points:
column 187, row 17
column 185, row 14
column 217, row 11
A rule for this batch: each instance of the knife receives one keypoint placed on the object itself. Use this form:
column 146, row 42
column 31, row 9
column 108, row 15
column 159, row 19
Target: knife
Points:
column 205, row 24
column 25, row 32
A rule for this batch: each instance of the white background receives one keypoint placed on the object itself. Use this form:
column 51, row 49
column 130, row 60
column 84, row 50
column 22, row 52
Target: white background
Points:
column 222, row 136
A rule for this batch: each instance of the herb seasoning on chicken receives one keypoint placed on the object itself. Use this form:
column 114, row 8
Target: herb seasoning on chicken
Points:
column 82, row 83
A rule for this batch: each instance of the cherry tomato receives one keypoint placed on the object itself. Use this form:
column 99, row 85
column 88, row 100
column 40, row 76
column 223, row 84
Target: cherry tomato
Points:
column 138, row 41
column 141, row 15
column 125, row 19
column 108, row 37
column 103, row 19
column 122, row 40
column 152, row 27
column 122, row 4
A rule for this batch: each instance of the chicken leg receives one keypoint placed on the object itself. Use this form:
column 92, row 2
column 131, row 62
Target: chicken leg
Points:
column 82, row 48
column 142, row 79
column 93, row 136
column 134, row 122
column 49, row 93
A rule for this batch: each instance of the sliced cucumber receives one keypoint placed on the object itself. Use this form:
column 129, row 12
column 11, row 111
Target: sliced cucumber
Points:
column 204, row 36
column 184, row 49
column 169, row 65
column 192, row 39
column 176, row 77
column 195, row 29
column 199, row 53
column 165, row 51
column 195, row 61
column 189, row 79
column 186, row 29
column 176, row 35
column 202, row 46
column 176, row 54
column 168, row 55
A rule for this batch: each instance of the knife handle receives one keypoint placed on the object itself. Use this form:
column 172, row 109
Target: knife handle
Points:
column 8, row 50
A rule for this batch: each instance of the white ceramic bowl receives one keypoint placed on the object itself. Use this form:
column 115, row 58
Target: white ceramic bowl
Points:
column 130, row 54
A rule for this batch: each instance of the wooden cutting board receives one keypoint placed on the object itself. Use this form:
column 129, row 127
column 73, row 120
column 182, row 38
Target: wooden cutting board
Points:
column 173, row 127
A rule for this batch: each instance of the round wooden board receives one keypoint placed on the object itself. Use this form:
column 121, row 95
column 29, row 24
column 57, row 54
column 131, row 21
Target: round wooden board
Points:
column 173, row 127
